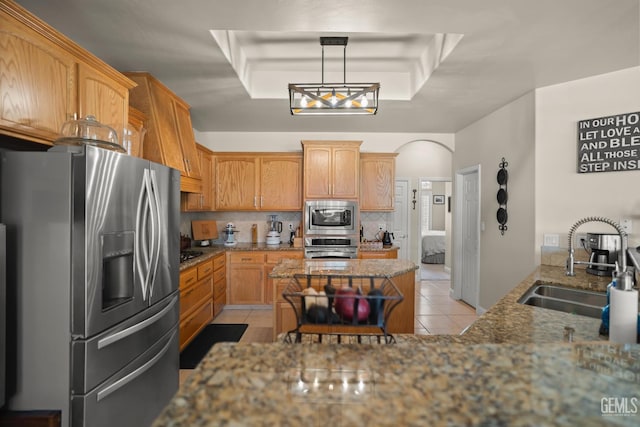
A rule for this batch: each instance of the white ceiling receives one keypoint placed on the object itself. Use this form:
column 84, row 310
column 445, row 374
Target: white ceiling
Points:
column 442, row 64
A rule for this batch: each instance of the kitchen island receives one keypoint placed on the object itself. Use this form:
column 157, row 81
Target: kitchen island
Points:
column 510, row 367
column 398, row 271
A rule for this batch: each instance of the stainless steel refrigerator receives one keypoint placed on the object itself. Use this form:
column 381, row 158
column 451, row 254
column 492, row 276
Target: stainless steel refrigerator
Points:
column 92, row 250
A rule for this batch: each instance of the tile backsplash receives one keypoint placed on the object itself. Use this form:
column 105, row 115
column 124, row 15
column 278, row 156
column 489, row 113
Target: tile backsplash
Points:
column 243, row 221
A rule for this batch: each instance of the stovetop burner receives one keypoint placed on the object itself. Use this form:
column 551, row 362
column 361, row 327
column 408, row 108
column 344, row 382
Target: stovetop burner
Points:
column 187, row 255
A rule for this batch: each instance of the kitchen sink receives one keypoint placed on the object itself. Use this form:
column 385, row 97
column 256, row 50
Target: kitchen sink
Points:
column 567, row 300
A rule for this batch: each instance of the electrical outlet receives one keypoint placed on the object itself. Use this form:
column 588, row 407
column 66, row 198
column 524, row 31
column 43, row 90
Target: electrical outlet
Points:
column 382, row 226
column 626, row 225
column 580, row 240
column 552, row 240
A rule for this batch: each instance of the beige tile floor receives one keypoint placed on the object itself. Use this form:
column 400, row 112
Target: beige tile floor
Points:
column 436, row 312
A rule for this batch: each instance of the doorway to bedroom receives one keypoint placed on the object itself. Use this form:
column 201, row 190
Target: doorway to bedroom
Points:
column 434, row 224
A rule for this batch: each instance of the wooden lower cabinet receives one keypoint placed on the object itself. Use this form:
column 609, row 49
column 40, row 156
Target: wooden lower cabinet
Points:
column 196, row 300
column 219, row 283
column 274, row 258
column 382, row 254
column 248, row 275
column 284, row 316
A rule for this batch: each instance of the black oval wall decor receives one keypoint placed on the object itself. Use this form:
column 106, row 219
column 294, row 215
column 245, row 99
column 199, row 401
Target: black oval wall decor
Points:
column 502, row 196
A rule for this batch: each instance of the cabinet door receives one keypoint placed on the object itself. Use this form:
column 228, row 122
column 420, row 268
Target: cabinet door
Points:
column 281, row 183
column 377, row 182
column 37, row 90
column 201, row 201
column 246, row 284
column 187, row 140
column 236, row 183
column 103, row 98
column 206, row 170
column 345, row 172
column 285, row 318
column 317, row 176
column 274, row 258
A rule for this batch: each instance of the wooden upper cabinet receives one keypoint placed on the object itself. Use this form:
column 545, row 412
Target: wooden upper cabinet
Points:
column 187, row 139
column 331, row 169
column 46, row 79
column 377, row 181
column 236, row 180
column 281, row 182
column 201, row 201
column 258, row 181
column 101, row 97
column 169, row 131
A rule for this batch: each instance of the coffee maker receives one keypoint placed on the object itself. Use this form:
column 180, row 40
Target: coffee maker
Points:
column 605, row 249
column 275, row 228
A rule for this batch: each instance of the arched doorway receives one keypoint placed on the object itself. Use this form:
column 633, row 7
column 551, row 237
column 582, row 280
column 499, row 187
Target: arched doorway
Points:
column 424, row 163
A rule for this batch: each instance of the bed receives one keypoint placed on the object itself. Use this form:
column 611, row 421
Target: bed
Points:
column 433, row 247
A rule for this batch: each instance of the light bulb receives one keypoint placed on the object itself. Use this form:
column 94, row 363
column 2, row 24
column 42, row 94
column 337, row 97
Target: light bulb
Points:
column 334, row 99
column 303, row 101
column 364, row 101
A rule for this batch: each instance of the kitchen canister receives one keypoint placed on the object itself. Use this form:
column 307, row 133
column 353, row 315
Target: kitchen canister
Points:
column 623, row 316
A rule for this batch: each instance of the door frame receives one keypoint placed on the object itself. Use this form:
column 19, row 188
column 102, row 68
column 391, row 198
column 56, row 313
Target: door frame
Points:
column 419, row 209
column 458, row 216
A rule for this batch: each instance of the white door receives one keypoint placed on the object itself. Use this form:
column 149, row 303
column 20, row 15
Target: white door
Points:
column 401, row 218
column 468, row 232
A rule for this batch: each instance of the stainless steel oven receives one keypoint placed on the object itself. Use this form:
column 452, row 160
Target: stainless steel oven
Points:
column 323, row 247
column 331, row 217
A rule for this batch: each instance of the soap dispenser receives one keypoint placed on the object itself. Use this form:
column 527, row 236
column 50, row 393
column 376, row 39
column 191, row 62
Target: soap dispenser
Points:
column 623, row 311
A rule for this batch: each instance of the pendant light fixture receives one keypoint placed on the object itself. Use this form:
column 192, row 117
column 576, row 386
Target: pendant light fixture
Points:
column 318, row 99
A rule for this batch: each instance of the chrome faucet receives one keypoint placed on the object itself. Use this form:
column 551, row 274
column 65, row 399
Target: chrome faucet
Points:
column 620, row 266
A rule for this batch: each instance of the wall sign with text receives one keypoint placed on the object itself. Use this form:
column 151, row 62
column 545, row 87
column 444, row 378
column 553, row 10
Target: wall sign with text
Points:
column 609, row 144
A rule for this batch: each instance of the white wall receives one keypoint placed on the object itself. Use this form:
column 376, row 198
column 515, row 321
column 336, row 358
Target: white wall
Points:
column 508, row 132
column 562, row 195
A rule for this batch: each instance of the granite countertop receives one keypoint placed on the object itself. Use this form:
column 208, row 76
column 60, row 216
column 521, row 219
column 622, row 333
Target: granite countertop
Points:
column 430, row 384
column 211, row 251
column 353, row 267
column 510, row 367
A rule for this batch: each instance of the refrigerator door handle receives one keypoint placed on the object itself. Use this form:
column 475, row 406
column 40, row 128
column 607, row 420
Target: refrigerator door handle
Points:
column 108, row 340
column 140, row 233
column 140, row 246
column 154, row 204
column 135, row 374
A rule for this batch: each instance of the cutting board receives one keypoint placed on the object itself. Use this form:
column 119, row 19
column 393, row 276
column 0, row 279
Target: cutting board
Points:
column 204, row 230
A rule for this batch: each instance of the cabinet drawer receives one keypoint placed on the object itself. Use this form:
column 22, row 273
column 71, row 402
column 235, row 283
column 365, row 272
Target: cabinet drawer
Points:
column 188, row 277
column 219, row 288
column 194, row 324
column 246, row 258
column 218, row 262
column 195, row 295
column 219, row 276
column 275, row 257
column 205, row 269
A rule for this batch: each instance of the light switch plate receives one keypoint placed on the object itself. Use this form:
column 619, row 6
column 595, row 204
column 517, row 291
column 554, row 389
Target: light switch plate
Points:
column 552, row 240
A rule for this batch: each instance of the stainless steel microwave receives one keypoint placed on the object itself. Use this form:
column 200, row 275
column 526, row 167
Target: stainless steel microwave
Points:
column 333, row 217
